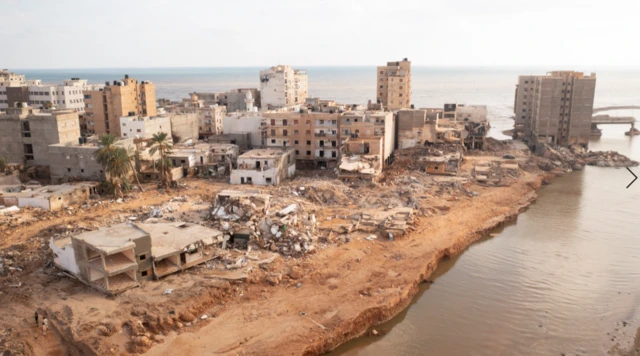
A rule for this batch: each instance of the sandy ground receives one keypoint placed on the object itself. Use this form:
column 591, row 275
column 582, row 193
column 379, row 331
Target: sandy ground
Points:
column 323, row 300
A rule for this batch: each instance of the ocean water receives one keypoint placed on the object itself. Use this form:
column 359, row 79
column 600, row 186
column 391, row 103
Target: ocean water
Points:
column 562, row 279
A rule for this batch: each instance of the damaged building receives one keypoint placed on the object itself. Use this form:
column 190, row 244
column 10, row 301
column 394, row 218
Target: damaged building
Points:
column 49, row 197
column 448, row 164
column 268, row 166
column 116, row 258
column 371, row 124
column 362, row 159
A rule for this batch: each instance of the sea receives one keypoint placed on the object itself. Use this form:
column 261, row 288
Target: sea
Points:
column 563, row 279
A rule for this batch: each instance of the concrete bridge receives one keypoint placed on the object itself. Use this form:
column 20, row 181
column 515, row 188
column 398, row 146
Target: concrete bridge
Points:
column 611, row 120
column 622, row 107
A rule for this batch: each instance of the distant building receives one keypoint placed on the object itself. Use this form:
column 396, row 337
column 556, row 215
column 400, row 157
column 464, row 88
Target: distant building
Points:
column 264, row 166
column 243, row 99
column 137, row 126
column 184, row 126
column 282, row 86
column 26, row 133
column 394, row 85
column 211, row 120
column 315, row 137
column 242, row 124
column 105, row 107
column 555, row 108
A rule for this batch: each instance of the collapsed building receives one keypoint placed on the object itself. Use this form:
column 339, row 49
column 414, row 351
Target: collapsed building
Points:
column 205, row 159
column 448, row 164
column 361, row 159
column 116, row 258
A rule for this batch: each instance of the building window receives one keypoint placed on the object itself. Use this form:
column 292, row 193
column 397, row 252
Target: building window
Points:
column 273, row 122
column 334, row 154
column 144, row 273
column 273, row 141
column 308, row 153
column 138, row 130
column 297, row 152
column 82, row 170
column 295, row 142
column 68, row 169
column 285, row 133
column 268, row 180
column 295, row 132
column 308, row 142
column 273, row 132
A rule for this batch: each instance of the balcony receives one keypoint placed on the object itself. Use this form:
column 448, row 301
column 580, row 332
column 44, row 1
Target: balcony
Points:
column 324, row 134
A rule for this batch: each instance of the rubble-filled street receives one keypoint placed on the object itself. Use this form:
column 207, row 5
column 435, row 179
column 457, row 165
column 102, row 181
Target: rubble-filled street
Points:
column 280, row 251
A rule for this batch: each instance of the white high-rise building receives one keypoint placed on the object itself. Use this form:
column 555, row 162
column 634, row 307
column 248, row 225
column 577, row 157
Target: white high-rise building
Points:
column 68, row 95
column 282, row 86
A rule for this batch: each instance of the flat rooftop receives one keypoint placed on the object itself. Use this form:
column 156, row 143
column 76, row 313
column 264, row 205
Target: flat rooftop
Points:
column 47, row 191
column 112, row 239
column 266, row 153
column 171, row 238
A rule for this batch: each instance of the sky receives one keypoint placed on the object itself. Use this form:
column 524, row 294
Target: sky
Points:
column 239, row 33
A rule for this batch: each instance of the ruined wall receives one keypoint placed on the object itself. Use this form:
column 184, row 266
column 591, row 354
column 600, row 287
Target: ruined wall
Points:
column 184, row 126
column 12, row 147
column 410, row 126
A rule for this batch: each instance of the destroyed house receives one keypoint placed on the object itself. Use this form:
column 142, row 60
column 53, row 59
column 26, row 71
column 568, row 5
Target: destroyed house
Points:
column 361, row 159
column 113, row 259
column 116, row 258
column 177, row 246
column 442, row 165
column 264, row 166
column 49, row 197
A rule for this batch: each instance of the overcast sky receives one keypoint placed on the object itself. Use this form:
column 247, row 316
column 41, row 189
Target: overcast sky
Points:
column 206, row 33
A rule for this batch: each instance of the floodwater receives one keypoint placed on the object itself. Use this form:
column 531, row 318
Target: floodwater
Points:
column 562, row 279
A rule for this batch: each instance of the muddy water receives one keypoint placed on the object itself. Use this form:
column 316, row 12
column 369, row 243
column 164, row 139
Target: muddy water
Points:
column 561, row 279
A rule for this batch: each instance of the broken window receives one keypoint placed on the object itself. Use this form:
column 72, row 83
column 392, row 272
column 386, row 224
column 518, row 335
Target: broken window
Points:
column 144, row 273
column 143, row 257
column 308, row 153
column 268, row 180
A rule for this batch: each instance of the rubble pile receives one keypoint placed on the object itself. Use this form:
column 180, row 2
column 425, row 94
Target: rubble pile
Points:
column 246, row 218
column 493, row 145
column 496, row 173
column 566, row 159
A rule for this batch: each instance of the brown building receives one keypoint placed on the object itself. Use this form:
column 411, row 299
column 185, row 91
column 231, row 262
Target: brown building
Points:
column 555, row 108
column 104, row 107
column 375, row 124
column 314, row 136
column 394, row 85
column 26, row 133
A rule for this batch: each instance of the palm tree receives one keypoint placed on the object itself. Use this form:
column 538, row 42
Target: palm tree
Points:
column 160, row 143
column 115, row 160
column 134, row 156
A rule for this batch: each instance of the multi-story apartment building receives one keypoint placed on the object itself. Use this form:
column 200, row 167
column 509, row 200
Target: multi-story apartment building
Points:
column 394, row 85
column 69, row 95
column 13, row 89
column 26, row 133
column 366, row 125
column 555, row 108
column 106, row 106
column 314, row 136
column 137, row 126
column 283, row 86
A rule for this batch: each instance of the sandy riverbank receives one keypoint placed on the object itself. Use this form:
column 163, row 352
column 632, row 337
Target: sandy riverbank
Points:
column 350, row 289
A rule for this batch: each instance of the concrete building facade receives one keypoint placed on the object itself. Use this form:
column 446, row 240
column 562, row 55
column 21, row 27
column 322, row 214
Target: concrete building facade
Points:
column 361, row 125
column 144, row 127
column 211, row 120
column 315, row 137
column 184, row 127
column 268, row 166
column 105, row 107
column 393, row 85
column 555, row 108
column 69, row 95
column 283, row 86
column 26, row 133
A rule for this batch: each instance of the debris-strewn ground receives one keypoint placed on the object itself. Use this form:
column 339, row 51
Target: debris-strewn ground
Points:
column 324, row 262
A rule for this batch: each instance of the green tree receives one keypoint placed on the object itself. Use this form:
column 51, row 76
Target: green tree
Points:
column 114, row 160
column 134, row 156
column 160, row 143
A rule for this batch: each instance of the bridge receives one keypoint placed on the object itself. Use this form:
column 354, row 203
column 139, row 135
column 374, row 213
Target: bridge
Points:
column 622, row 107
column 612, row 120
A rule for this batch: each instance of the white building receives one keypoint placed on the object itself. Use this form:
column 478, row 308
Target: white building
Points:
column 473, row 113
column 144, row 126
column 282, row 86
column 68, row 95
column 264, row 166
column 245, row 122
column 11, row 79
